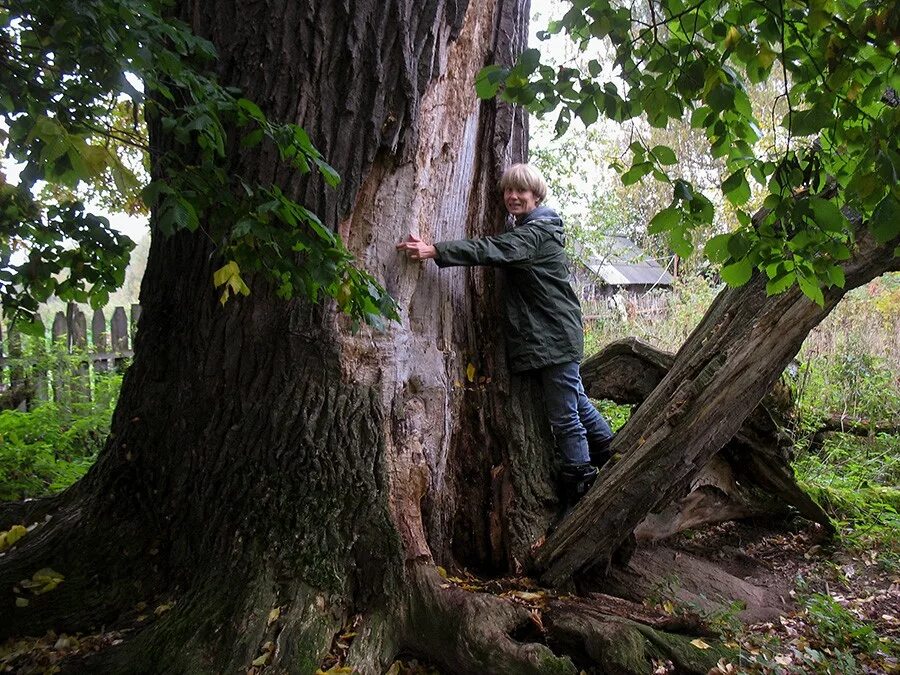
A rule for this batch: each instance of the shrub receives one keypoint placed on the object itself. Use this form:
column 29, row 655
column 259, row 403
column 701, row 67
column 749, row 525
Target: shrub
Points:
column 46, row 449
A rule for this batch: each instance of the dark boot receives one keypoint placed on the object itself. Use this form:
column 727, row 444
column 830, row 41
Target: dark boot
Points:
column 574, row 482
column 600, row 452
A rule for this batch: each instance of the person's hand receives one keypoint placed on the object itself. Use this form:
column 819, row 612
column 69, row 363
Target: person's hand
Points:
column 417, row 249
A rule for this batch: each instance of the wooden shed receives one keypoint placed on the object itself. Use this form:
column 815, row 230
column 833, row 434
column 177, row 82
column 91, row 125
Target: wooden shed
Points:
column 616, row 265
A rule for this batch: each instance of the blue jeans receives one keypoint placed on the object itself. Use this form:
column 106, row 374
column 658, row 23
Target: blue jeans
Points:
column 573, row 418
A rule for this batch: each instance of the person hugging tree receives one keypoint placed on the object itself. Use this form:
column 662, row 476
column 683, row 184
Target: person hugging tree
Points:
column 544, row 331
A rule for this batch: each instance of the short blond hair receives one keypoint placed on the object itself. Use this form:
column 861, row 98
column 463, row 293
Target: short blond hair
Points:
column 524, row 177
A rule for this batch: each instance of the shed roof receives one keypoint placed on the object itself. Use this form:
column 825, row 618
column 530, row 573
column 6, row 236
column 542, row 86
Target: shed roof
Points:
column 618, row 261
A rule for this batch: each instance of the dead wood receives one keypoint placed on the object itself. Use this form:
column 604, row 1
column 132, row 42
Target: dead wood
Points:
column 750, row 477
column 839, row 424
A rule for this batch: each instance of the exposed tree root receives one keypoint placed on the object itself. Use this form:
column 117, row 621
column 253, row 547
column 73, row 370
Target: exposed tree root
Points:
column 472, row 632
column 697, row 583
column 91, row 566
column 616, row 645
column 684, row 622
column 29, row 511
column 232, row 621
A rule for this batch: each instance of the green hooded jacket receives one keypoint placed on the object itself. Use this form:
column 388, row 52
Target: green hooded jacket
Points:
column 543, row 314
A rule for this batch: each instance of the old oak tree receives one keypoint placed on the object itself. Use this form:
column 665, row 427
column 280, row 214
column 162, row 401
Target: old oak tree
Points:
column 313, row 429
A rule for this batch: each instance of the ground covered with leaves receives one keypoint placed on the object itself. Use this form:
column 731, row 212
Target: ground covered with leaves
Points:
column 846, row 614
column 843, row 617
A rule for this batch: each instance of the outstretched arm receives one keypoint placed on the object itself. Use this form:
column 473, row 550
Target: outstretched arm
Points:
column 511, row 248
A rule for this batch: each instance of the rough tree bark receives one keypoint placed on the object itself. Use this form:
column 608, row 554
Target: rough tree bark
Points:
column 719, row 375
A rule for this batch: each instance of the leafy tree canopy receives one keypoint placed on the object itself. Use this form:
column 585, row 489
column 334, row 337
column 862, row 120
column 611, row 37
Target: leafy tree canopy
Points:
column 79, row 76
column 72, row 71
column 674, row 60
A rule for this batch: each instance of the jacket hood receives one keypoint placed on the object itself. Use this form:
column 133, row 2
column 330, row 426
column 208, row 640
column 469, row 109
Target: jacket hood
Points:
column 541, row 213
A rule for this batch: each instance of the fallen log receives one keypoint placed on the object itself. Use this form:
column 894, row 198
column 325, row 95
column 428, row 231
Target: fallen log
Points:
column 839, row 424
column 699, row 583
column 750, row 477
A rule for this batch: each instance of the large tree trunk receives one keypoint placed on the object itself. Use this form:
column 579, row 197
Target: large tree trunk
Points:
column 718, row 377
column 261, row 455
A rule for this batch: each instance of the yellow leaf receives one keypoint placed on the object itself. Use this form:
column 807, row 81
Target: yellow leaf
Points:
column 229, row 276
column 45, row 575
column 699, row 644
column 273, row 616
column 470, row 372
column 11, row 536
column 261, row 660
column 21, row 602
column 46, row 588
column 237, row 285
column 442, row 571
column 732, row 38
column 224, row 273
column 528, row 596
column 344, row 293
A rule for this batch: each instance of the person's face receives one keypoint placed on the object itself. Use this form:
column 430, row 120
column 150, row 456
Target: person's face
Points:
column 519, row 202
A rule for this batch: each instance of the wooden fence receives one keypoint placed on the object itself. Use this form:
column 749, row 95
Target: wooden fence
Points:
column 63, row 365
